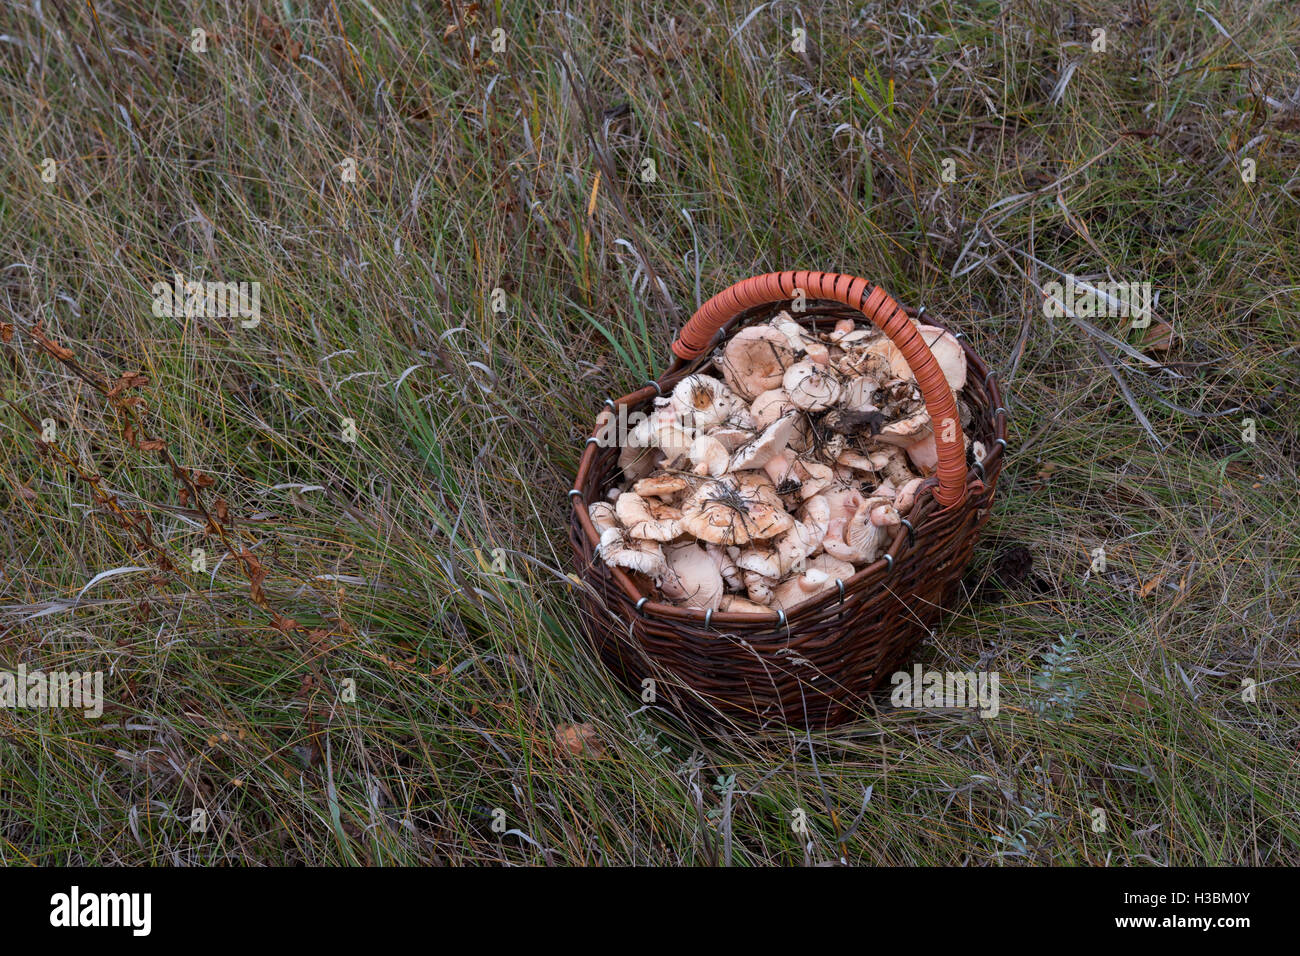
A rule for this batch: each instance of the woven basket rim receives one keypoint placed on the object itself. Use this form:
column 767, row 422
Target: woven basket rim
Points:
column 924, row 505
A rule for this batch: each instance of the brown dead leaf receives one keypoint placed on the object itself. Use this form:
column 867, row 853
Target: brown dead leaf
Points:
column 1159, row 337
column 579, row 740
column 1150, row 586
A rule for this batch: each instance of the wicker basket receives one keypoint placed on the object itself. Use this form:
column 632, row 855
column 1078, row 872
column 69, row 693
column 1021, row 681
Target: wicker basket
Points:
column 814, row 664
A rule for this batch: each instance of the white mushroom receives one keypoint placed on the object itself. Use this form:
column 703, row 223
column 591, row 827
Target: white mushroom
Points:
column 709, row 456
column 755, row 359
column 812, row 387
column 761, row 559
column 859, row 394
column 726, row 565
column 602, row 516
column 701, row 401
column 906, row 496
column 948, row 353
column 805, row 538
column 620, row 551
column 770, row 406
column 635, row 514
column 735, row 509
column 660, row 486
column 914, row 434
column 736, row 604
column 692, row 578
column 865, row 533
column 770, row 442
column 759, row 587
column 820, row 575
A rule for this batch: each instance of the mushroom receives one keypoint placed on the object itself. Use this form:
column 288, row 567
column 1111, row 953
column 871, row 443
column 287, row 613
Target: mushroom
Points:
column 735, row 509
column 915, row 434
column 761, row 559
column 618, row 550
column 709, row 456
column 891, row 356
column 865, row 533
column 635, row 514
column 755, row 360
column 814, row 477
column 784, row 323
column 890, row 462
column 701, row 401
column 820, row 575
column 858, row 395
column 770, row 442
column 759, row 587
column 660, row 486
column 924, row 454
column 770, row 406
column 736, row 604
column 691, row 578
column 812, row 387
column 906, row 496
column 947, row 352
column 732, row 436
column 805, row 538
column 726, row 565
column 854, row 460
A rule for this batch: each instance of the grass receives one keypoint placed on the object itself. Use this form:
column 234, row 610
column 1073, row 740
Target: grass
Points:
column 382, row 642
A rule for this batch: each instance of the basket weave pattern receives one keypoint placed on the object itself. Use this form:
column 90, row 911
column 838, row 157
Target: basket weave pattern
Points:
column 815, row 665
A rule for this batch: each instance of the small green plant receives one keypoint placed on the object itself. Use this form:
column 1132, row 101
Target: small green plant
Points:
column 1057, row 682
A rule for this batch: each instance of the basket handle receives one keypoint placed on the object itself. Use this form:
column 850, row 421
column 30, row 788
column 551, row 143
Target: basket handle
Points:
column 873, row 302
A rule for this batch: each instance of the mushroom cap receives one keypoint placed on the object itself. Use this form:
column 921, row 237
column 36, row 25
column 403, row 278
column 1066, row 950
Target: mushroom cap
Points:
column 726, row 565
column 924, row 454
column 819, row 575
column 691, row 578
column 732, row 435
column 736, row 604
column 760, row 559
column 906, row 495
column 948, row 353
column 906, row 431
column 769, row 443
column 811, row 387
column 759, row 587
column 602, row 516
column 709, row 456
column 859, row 394
column 814, row 477
column 795, row 335
column 770, row 406
column 660, row 486
column 855, row 460
column 805, row 538
column 636, row 515
column 701, row 401
column 862, row 537
column 620, row 551
column 892, row 356
column 735, row 509
column 755, row 359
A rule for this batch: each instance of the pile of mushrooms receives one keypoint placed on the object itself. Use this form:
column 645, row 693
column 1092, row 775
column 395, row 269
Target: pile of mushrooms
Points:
column 757, row 491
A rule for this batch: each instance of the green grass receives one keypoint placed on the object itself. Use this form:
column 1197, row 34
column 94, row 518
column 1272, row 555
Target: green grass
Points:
column 373, row 564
